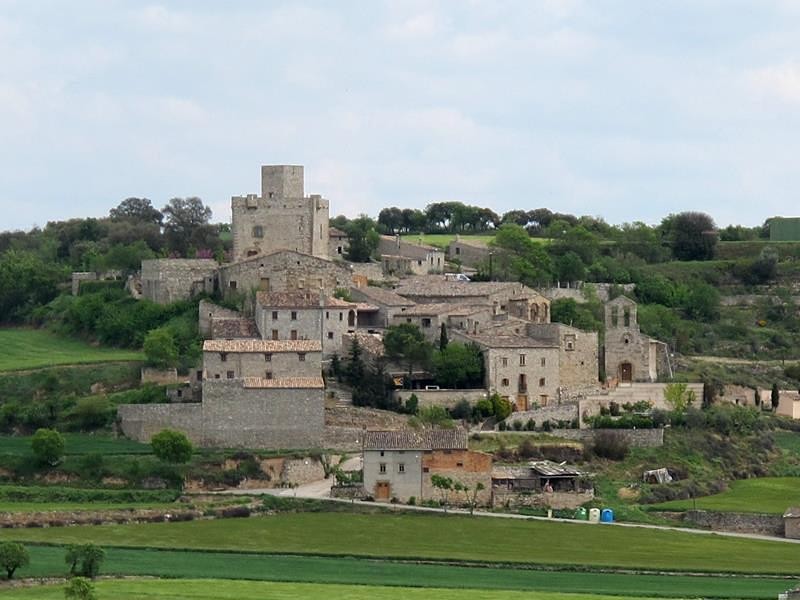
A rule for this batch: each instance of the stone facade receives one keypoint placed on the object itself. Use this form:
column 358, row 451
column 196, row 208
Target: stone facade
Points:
column 282, row 218
column 629, row 354
column 464, row 466
column 236, row 359
column 387, row 302
column 338, row 244
column 468, row 253
column 430, row 317
column 567, row 411
column 283, row 271
column 166, row 280
column 444, row 398
column 422, row 259
column 791, row 523
column 432, row 289
column 216, row 322
column 636, row 438
column 503, row 498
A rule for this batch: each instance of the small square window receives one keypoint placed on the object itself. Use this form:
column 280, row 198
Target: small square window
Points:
column 258, row 231
column 268, row 375
column 382, row 452
column 541, row 382
column 301, row 356
column 425, row 469
column 230, row 374
column 504, row 383
column 268, row 357
column 330, row 335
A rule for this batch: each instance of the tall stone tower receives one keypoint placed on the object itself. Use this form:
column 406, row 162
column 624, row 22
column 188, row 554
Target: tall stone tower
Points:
column 282, row 218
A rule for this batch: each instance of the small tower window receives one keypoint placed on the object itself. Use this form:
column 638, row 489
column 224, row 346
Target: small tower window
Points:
column 258, row 231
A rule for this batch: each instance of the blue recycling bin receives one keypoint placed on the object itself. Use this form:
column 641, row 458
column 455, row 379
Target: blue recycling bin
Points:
column 607, row 515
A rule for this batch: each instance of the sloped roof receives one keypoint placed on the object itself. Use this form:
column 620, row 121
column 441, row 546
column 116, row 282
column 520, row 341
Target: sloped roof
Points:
column 436, row 285
column 383, row 296
column 266, row 346
column 442, row 308
column 548, row 468
column 298, row 299
column 410, row 439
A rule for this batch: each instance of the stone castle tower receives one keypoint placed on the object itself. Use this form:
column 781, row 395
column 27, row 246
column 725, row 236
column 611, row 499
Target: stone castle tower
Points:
column 282, row 218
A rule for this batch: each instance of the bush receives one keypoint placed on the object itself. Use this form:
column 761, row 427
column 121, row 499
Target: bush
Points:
column 13, row 556
column 48, row 446
column 462, row 409
column 517, row 425
column 172, row 446
column 84, row 559
column 611, row 445
column 530, row 425
column 79, row 588
column 93, row 412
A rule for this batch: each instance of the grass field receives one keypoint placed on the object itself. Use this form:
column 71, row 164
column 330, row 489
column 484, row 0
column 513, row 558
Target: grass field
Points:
column 456, row 537
column 251, row 590
column 36, row 348
column 787, row 440
column 49, row 561
column 77, row 443
column 770, row 495
column 442, row 240
column 28, row 507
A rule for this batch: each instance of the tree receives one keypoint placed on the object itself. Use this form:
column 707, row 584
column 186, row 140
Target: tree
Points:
column 84, row 559
column 702, row 303
column 407, row 344
column 186, row 220
column 444, row 485
column 501, row 408
column 473, row 500
column 79, row 588
column 172, row 446
column 160, row 348
column 775, row 396
column 570, row 267
column 48, row 446
column 443, row 337
column 363, row 238
column 26, row 281
column 136, row 209
column 678, row 397
column 13, row 556
column 692, row 235
column 458, row 365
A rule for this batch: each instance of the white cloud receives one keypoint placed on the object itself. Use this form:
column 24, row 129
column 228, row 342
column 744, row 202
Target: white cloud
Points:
column 780, row 82
column 419, row 26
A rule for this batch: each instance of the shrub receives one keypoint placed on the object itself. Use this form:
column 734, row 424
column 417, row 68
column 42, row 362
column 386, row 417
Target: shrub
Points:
column 13, row 556
column 412, row 501
column 527, row 449
column 611, row 445
column 502, row 426
column 84, row 559
column 172, row 446
column 411, row 405
column 546, row 426
column 530, row 425
column 462, row 409
column 517, row 424
column 48, row 446
column 79, row 588
column 93, row 412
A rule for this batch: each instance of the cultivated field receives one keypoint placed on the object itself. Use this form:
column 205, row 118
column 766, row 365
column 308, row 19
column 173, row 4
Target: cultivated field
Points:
column 442, row 240
column 456, row 537
column 36, row 348
column 77, row 443
column 769, row 495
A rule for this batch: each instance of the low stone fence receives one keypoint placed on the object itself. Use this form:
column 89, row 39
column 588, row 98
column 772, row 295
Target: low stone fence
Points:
column 91, row 517
column 736, row 522
column 558, row 500
column 350, row 492
column 444, row 398
column 567, row 411
column 636, row 438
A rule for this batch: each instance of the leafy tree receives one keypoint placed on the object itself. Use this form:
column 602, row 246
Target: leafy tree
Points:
column 137, row 209
column 407, row 344
column 79, row 588
column 48, row 446
column 186, row 223
column 92, row 412
column 473, row 499
column 501, row 408
column 363, row 238
column 26, row 281
column 678, row 397
column 412, row 405
column 391, row 220
column 444, row 485
column 458, row 365
column 160, row 348
column 84, row 559
column 172, row 446
column 13, row 556
column 692, row 235
column 702, row 302
column 570, row 267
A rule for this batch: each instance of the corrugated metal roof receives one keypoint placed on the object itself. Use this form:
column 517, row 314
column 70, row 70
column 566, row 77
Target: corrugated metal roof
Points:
column 409, row 439
column 548, row 468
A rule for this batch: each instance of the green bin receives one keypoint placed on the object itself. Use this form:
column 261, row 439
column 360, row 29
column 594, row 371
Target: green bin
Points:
column 581, row 514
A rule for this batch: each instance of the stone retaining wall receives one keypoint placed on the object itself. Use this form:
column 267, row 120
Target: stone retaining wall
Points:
column 566, row 411
column 636, row 438
column 736, row 522
column 444, row 398
column 558, row 500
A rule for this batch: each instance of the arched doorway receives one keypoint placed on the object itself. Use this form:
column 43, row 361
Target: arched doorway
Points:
column 351, row 318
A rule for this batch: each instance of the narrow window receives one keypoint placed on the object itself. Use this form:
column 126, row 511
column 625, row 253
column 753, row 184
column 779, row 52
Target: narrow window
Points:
column 258, row 231
column 401, row 468
column 505, row 362
column 294, row 315
column 274, row 315
column 544, row 361
column 232, row 285
column 521, row 360
column 267, row 357
column 223, row 356
column 268, row 375
column 230, row 374
column 541, row 382
column 199, row 376
column 627, row 317
column 293, row 334
column 383, row 467
column 274, row 334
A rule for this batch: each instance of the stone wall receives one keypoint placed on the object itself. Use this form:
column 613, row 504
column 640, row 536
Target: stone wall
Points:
column 736, row 522
column 159, row 376
column 208, row 312
column 328, row 324
column 636, row 438
column 255, row 364
column 468, row 253
column 142, row 421
column 302, row 470
column 556, row 412
column 503, row 498
column 444, row 398
column 80, row 276
column 373, row 271
column 538, row 366
column 166, row 280
column 464, row 466
column 345, row 439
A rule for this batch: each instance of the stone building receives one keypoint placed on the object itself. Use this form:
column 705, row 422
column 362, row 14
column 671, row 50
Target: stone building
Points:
column 338, row 244
column 388, row 303
column 788, row 404
column 266, row 359
column 420, row 258
column 400, row 464
column 468, row 252
column 216, row 322
column 306, row 315
column 791, row 523
column 629, row 354
column 430, row 317
column 282, row 218
column 166, row 280
column 439, row 289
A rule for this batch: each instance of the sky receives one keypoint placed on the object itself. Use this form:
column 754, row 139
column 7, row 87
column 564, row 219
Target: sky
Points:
column 628, row 110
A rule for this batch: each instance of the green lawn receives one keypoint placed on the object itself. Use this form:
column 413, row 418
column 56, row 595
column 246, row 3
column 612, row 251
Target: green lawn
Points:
column 769, row 495
column 442, row 240
column 252, row 590
column 28, row 507
column 77, row 443
column 48, row 561
column 444, row 537
column 36, row 348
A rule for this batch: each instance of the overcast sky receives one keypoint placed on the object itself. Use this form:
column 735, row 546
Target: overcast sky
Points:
column 624, row 109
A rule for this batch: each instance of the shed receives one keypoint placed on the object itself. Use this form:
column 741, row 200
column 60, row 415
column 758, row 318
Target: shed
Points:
column 791, row 523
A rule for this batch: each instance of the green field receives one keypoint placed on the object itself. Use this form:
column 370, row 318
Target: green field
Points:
column 456, row 537
column 48, row 561
column 769, row 495
column 77, row 443
column 37, row 348
column 29, row 507
column 442, row 240
column 252, row 590
column 787, row 440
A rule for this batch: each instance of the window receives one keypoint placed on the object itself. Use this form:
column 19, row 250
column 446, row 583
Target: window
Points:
column 504, row 383
column 223, row 356
column 330, row 335
column 274, row 315
column 294, row 315
column 425, row 469
column 230, row 374
column 258, row 231
column 382, row 453
column 505, row 362
column 272, row 194
column 459, row 464
column 301, row 356
column 426, row 322
column 401, row 467
column 199, row 376
column 293, row 334
column 232, row 285
column 541, row 382
column 268, row 375
column 327, row 314
column 275, row 334
column 627, row 317
column 614, row 316
column 458, row 250
column 216, row 375
column 267, row 357
column 338, row 249
column 341, row 316
column 382, row 467
column 544, row 361
column 521, row 360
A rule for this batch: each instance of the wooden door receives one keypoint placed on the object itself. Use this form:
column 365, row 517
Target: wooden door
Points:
column 382, row 490
column 626, row 372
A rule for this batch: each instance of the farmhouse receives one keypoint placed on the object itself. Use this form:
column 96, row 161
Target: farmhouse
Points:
column 399, row 464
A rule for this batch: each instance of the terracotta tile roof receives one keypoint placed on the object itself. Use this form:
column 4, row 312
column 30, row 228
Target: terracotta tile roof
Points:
column 296, row 299
column 333, row 232
column 442, row 308
column 370, row 342
column 382, row 296
column 315, row 383
column 267, row 346
column 228, row 328
column 506, row 340
column 411, row 439
column 436, row 285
